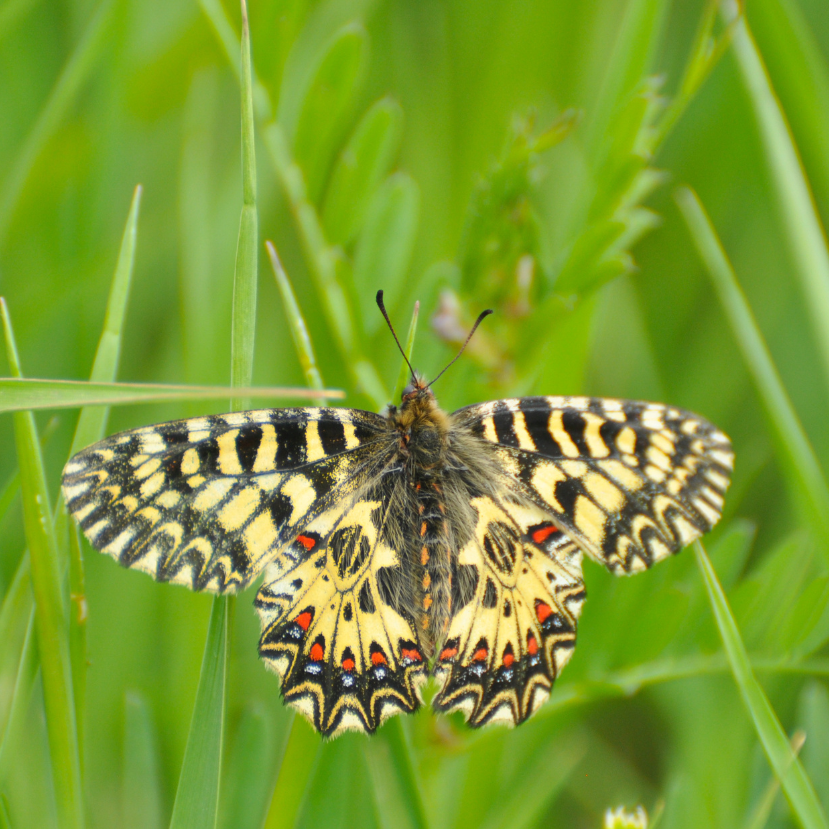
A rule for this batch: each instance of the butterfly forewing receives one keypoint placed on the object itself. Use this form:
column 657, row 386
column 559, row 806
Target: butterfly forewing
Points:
column 208, row 501
column 630, row 482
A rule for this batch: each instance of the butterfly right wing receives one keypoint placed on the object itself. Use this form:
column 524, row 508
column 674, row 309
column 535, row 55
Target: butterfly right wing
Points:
column 207, row 502
column 630, row 482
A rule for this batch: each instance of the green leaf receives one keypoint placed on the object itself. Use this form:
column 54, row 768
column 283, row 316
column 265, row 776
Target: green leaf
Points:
column 141, row 782
column 197, row 797
column 361, row 166
column 385, row 246
column 333, row 88
column 21, row 393
column 788, row 768
column 50, row 610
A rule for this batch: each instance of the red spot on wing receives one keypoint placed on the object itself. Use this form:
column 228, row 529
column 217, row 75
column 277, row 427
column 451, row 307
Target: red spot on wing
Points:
column 479, row 655
column 542, row 611
column 348, row 664
column 378, row 658
column 448, row 653
column 304, row 619
column 317, row 652
column 411, row 653
column 306, row 541
column 509, row 658
column 543, row 533
column 532, row 645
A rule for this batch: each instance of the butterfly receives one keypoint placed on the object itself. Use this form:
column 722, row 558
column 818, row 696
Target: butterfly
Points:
column 410, row 544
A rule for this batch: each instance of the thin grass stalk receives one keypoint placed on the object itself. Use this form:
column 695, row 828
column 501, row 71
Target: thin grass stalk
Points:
column 795, row 202
column 24, row 393
column 50, row 611
column 789, row 770
column 793, row 445
column 299, row 330
column 405, row 373
column 761, row 813
column 75, row 72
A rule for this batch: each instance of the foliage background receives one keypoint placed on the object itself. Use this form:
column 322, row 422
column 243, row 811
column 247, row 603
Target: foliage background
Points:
column 476, row 189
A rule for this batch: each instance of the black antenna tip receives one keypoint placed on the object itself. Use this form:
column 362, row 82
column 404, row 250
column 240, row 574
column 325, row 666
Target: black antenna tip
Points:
column 379, row 299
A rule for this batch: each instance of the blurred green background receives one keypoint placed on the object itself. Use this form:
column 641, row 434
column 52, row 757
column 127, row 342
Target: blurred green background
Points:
column 514, row 155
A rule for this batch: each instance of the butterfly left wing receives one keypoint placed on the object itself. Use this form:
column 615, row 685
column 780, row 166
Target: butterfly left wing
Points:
column 336, row 624
column 518, row 592
column 630, row 482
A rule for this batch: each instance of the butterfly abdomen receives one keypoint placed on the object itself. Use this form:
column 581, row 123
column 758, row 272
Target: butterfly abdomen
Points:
column 433, row 569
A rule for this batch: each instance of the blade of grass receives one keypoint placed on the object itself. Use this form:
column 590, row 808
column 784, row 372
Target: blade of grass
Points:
column 405, row 374
column 50, row 610
column 302, row 751
column 788, row 768
column 299, row 330
column 90, row 428
column 197, row 797
column 24, row 393
column 74, row 73
column 759, row 816
column 24, row 682
column 397, row 792
column 801, row 221
column 793, row 446
column 141, row 782
column 10, row 12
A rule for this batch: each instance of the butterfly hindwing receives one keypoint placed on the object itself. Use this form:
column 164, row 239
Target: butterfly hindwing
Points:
column 333, row 627
column 207, row 502
column 630, row 482
column 514, row 631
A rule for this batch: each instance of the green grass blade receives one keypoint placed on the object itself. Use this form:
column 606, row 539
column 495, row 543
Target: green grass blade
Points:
column 141, row 785
column 74, row 73
column 246, row 788
column 243, row 323
column 299, row 330
column 788, row 768
column 197, row 798
column 363, row 163
column 299, row 761
column 23, row 393
column 397, row 792
column 50, row 611
column 90, row 428
column 795, row 203
column 24, row 679
column 405, row 373
column 761, row 813
column 793, row 445
column 10, row 12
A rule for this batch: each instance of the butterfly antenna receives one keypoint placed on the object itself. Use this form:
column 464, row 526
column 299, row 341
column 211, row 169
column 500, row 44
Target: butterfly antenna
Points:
column 481, row 317
column 383, row 311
